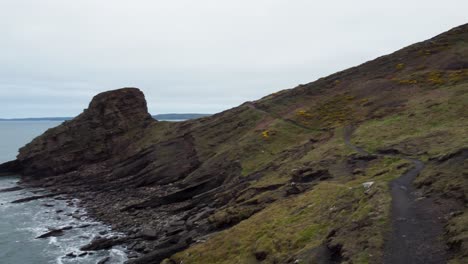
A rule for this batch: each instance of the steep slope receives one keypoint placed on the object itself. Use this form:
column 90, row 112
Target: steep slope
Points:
column 275, row 181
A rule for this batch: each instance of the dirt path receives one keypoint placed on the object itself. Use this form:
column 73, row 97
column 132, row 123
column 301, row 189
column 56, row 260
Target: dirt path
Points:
column 417, row 225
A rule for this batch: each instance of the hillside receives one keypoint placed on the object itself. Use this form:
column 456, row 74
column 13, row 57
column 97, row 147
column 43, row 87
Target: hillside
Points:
column 307, row 175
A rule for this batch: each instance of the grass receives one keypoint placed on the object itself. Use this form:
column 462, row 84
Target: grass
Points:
column 289, row 227
column 412, row 105
column 429, row 125
column 424, row 127
column 263, row 150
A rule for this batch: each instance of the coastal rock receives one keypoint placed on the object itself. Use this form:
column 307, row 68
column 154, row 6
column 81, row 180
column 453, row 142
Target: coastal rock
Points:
column 12, row 189
column 95, row 135
column 55, row 232
column 149, row 234
column 9, row 168
column 32, row 198
column 52, row 233
column 103, row 243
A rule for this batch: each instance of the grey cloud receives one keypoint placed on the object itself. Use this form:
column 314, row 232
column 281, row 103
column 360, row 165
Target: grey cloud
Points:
column 194, row 56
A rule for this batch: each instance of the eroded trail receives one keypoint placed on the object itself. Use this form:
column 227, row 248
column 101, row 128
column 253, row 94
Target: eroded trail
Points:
column 416, row 224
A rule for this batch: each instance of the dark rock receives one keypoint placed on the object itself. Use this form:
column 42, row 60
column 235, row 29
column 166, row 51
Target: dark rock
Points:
column 52, row 233
column 159, row 254
column 174, row 230
column 10, row 167
column 356, row 157
column 55, row 232
column 293, row 189
column 71, row 255
column 12, row 189
column 178, row 223
column 132, row 255
column 358, row 171
column 261, row 255
column 32, row 198
column 461, row 152
column 204, row 213
column 103, row 243
column 132, row 245
column 388, row 151
column 304, row 175
column 140, row 247
column 147, row 233
column 104, row 260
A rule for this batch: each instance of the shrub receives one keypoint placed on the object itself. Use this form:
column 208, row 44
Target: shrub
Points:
column 435, row 78
column 400, row 66
column 304, row 113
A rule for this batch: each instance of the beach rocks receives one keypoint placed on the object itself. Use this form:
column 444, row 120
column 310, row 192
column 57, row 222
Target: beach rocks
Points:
column 55, row 232
column 12, row 189
column 103, row 243
column 147, row 233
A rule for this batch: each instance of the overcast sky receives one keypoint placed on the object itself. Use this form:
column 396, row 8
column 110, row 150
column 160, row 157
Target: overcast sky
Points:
column 194, row 56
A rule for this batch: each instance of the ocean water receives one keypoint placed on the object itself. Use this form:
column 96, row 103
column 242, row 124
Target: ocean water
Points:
column 22, row 223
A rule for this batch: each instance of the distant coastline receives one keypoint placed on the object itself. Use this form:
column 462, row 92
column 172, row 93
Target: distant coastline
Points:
column 157, row 117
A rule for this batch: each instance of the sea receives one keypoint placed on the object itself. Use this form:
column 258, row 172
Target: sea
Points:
column 22, row 223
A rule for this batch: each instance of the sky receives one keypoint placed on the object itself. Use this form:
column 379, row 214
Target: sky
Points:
column 189, row 56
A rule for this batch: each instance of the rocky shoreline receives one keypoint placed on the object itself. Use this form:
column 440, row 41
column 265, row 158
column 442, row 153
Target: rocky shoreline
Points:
column 86, row 158
column 65, row 227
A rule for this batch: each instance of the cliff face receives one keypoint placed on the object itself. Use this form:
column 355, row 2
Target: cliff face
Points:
column 98, row 134
column 273, row 176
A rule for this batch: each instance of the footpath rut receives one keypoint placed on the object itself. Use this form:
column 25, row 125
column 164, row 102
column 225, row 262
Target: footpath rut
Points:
column 416, row 225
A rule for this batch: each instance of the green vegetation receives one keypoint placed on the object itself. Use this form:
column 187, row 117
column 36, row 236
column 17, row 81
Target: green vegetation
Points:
column 400, row 66
column 432, row 124
column 433, row 79
column 416, row 106
column 291, row 227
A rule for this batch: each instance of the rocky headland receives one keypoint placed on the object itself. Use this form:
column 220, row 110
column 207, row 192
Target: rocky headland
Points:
column 281, row 179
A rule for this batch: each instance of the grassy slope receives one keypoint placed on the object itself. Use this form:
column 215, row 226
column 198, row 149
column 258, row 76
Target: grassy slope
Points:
column 413, row 100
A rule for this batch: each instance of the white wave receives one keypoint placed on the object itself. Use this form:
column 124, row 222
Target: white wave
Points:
column 117, row 256
column 32, row 219
column 58, row 260
column 53, row 241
